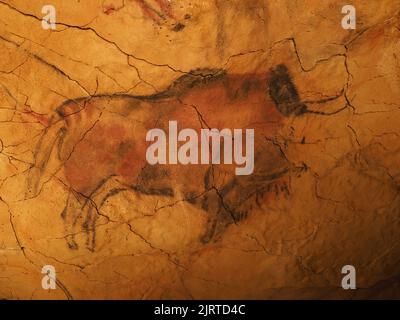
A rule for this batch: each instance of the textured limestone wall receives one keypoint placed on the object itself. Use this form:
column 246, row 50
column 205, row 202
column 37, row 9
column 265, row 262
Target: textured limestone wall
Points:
column 75, row 192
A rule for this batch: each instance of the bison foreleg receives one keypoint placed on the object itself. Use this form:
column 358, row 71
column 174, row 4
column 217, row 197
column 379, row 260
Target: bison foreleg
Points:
column 220, row 216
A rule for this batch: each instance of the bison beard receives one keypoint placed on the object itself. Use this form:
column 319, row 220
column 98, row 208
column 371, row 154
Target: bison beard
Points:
column 103, row 138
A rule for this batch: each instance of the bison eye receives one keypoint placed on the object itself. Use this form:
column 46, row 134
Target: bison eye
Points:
column 124, row 147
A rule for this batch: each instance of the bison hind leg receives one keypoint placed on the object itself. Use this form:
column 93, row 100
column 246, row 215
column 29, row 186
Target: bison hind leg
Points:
column 106, row 189
column 89, row 226
column 70, row 216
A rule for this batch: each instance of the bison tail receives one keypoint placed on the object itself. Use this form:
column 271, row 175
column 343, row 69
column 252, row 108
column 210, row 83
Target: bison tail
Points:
column 51, row 137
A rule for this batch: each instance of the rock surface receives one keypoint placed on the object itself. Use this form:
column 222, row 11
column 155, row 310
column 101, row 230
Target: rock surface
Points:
column 324, row 103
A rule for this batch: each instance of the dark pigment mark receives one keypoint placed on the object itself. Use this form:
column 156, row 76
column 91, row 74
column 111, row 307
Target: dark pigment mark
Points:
column 178, row 27
column 284, row 93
